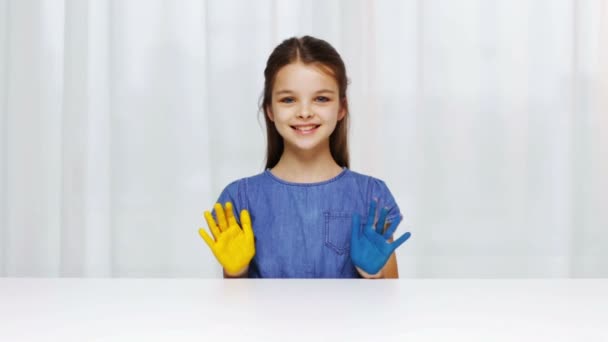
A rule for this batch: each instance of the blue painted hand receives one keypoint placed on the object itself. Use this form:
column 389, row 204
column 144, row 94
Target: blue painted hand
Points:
column 370, row 249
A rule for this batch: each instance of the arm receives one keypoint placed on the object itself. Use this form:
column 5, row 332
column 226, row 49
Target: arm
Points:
column 391, row 270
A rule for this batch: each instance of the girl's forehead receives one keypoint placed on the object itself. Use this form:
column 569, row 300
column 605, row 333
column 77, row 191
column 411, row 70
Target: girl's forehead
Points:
column 299, row 76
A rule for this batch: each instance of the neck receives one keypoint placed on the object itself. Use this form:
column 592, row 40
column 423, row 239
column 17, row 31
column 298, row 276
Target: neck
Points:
column 306, row 166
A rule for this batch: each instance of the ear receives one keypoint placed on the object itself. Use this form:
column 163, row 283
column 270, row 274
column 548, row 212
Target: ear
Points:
column 269, row 112
column 342, row 112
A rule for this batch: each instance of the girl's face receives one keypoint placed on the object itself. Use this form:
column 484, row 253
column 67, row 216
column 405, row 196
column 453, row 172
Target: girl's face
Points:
column 305, row 106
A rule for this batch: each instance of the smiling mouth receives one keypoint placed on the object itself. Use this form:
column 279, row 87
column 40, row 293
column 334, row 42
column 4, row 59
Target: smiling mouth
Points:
column 305, row 129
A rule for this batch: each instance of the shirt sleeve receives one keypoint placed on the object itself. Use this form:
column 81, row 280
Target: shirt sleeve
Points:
column 232, row 194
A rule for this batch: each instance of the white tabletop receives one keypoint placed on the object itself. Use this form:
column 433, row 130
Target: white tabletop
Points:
column 71, row 309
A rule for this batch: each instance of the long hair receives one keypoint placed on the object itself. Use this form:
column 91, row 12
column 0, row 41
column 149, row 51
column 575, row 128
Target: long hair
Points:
column 308, row 50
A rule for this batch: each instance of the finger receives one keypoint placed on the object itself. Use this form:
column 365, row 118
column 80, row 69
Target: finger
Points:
column 230, row 215
column 372, row 212
column 401, row 240
column 206, row 237
column 246, row 225
column 381, row 219
column 355, row 229
column 221, row 217
column 392, row 228
column 211, row 223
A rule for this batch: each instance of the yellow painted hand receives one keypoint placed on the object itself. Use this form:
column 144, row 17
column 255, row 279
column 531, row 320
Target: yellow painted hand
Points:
column 233, row 247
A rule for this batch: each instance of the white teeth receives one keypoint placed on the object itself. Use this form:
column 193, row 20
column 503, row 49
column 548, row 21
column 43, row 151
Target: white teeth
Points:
column 305, row 128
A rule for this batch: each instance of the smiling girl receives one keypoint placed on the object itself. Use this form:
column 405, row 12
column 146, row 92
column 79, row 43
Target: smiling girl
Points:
column 307, row 215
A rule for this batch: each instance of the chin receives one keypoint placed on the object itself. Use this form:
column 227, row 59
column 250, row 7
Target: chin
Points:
column 308, row 146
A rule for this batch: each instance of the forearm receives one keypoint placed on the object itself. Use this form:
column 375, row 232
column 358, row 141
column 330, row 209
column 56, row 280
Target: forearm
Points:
column 390, row 270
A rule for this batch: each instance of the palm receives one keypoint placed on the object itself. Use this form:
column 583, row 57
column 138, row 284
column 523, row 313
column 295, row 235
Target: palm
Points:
column 371, row 249
column 233, row 247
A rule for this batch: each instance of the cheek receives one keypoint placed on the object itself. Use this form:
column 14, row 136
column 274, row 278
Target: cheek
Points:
column 330, row 113
column 286, row 116
column 281, row 120
column 280, row 114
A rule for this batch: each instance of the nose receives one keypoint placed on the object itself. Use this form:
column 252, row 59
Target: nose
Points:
column 305, row 113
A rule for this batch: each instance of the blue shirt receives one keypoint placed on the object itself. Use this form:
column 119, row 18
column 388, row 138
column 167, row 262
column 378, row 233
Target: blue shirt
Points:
column 303, row 230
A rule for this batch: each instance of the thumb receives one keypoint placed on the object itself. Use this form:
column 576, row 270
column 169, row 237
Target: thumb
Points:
column 401, row 240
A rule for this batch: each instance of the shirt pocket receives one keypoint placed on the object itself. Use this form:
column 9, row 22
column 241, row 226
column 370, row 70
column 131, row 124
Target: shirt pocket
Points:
column 337, row 231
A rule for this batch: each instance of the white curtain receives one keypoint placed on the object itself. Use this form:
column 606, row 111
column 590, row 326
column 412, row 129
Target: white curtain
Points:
column 121, row 122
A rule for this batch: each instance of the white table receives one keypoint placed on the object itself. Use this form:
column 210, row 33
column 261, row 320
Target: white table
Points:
column 72, row 309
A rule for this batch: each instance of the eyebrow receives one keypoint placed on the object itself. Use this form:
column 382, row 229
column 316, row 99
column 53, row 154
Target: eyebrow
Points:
column 287, row 91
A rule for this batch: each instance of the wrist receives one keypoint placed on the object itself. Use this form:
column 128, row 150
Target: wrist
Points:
column 366, row 275
column 238, row 274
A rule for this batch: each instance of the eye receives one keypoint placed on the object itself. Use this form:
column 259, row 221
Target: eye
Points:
column 287, row 100
column 323, row 99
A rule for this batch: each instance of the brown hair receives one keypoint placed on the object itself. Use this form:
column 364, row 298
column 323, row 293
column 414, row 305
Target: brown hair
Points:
column 308, row 50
